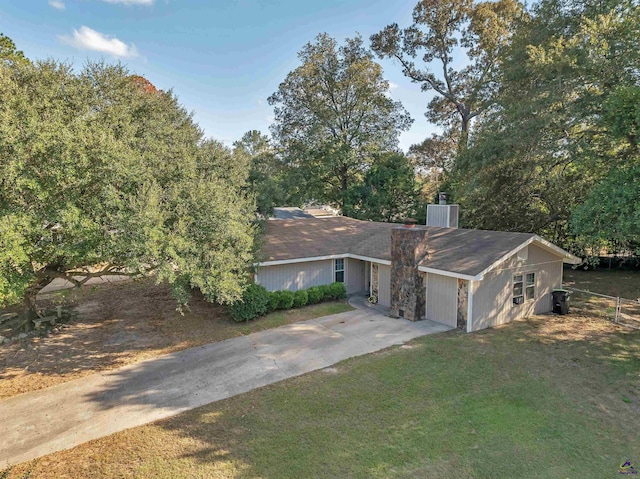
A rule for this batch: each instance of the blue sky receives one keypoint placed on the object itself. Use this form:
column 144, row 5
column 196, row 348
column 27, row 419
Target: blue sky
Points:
column 223, row 58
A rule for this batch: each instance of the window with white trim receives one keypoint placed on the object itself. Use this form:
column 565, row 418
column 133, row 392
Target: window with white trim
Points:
column 529, row 286
column 524, row 287
column 339, row 270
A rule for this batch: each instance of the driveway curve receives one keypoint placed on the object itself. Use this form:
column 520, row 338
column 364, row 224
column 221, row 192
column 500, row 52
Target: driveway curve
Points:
column 63, row 416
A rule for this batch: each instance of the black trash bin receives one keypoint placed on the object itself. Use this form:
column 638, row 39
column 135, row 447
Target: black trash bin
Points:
column 560, row 301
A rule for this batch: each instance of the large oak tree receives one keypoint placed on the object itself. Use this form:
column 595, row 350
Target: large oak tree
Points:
column 332, row 114
column 101, row 174
column 429, row 50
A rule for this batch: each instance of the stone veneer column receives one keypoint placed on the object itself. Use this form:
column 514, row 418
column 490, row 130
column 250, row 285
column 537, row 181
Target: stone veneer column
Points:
column 408, row 248
column 463, row 303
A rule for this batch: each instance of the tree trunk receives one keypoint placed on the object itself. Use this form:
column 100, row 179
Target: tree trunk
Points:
column 344, row 186
column 464, row 133
column 29, row 310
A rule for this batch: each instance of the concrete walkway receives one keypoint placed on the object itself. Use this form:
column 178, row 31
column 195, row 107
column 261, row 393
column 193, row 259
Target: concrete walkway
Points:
column 63, row 416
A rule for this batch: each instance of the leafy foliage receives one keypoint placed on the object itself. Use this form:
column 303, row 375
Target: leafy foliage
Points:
column 99, row 175
column 332, row 114
column 9, row 54
column 336, row 290
column 314, row 294
column 553, row 136
column 441, row 28
column 267, row 181
column 285, row 299
column 254, row 303
column 389, row 191
column 300, row 298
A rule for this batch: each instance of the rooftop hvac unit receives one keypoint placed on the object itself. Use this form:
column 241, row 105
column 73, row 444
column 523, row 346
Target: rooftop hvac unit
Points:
column 444, row 216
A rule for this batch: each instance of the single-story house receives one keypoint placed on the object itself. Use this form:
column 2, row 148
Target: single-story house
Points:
column 470, row 279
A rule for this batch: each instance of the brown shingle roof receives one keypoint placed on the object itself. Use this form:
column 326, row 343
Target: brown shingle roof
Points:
column 469, row 252
column 461, row 251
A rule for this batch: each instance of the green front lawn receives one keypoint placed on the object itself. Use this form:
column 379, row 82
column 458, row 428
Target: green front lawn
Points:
column 552, row 397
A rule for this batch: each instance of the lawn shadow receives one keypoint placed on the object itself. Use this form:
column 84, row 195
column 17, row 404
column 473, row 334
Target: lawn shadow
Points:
column 115, row 324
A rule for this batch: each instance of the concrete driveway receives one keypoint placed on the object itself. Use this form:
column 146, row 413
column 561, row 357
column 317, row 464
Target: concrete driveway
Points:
column 63, row 416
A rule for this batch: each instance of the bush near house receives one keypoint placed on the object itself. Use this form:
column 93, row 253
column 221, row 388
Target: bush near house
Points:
column 286, row 299
column 315, row 295
column 254, row 303
column 257, row 301
column 337, row 291
column 300, row 298
column 326, row 292
column 274, row 301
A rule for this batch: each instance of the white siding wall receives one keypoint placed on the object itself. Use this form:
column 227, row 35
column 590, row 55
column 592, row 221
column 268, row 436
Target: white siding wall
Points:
column 295, row 276
column 384, row 285
column 442, row 299
column 492, row 297
column 355, row 275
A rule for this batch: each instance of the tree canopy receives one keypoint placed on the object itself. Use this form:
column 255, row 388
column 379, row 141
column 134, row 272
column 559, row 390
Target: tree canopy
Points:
column 332, row 114
column 389, row 191
column 267, row 180
column 562, row 131
column 441, row 29
column 101, row 174
column 9, row 54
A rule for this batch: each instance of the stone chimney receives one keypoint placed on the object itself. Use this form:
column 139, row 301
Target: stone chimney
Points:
column 408, row 296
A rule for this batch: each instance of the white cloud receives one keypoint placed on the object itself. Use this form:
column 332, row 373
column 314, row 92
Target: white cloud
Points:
column 57, row 4
column 87, row 39
column 131, row 2
column 392, row 86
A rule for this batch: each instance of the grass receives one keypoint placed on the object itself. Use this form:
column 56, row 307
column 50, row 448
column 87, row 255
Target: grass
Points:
column 625, row 284
column 550, row 397
column 123, row 323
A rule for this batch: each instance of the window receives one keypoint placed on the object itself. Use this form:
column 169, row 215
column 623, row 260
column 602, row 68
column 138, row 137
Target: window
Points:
column 518, row 289
column 524, row 287
column 339, row 270
column 530, row 286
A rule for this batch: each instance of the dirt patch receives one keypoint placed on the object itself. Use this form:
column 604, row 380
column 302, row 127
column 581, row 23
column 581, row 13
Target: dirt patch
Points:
column 119, row 324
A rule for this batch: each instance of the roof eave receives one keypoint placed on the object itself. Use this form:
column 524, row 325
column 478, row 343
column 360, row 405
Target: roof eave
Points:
column 566, row 256
column 322, row 258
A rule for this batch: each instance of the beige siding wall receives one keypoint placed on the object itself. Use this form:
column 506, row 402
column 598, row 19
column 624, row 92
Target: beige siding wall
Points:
column 442, row 299
column 492, row 297
column 355, row 276
column 384, row 285
column 295, row 276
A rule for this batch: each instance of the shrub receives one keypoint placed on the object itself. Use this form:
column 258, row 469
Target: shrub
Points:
column 254, row 303
column 286, row 300
column 300, row 298
column 337, row 290
column 274, row 301
column 315, row 295
column 326, row 291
